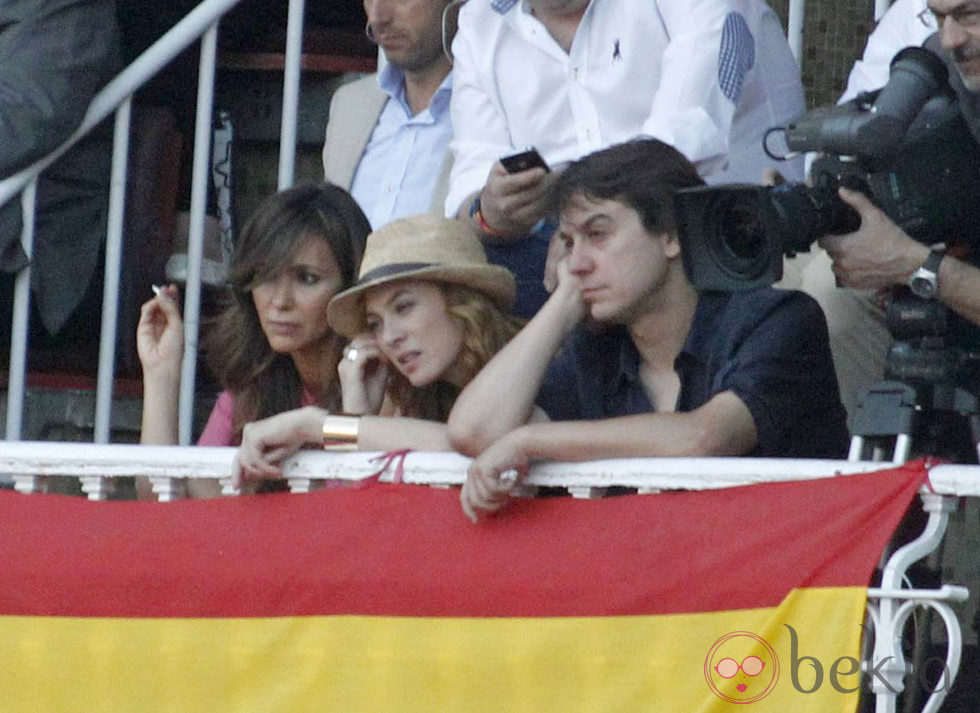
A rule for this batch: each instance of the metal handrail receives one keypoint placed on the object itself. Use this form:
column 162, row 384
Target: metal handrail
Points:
column 125, row 84
column 202, row 22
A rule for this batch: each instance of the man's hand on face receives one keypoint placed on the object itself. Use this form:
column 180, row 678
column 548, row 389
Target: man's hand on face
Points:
column 878, row 254
column 512, row 203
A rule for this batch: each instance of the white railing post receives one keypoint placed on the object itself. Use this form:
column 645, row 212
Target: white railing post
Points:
column 113, row 262
column 195, row 238
column 168, row 490
column 794, row 30
column 290, row 94
column 17, row 374
column 892, row 612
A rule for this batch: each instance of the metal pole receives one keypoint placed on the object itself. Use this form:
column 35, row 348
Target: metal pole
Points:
column 195, row 238
column 113, row 261
column 17, row 375
column 290, row 94
column 794, row 33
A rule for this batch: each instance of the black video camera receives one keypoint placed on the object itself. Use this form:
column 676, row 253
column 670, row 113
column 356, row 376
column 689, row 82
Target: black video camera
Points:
column 907, row 147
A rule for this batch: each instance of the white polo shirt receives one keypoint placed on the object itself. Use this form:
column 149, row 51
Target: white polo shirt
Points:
column 707, row 76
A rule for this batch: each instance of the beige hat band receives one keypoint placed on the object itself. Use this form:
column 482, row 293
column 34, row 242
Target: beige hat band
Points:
column 390, row 270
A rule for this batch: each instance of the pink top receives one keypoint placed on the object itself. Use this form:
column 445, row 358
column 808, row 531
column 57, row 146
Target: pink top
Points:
column 217, row 432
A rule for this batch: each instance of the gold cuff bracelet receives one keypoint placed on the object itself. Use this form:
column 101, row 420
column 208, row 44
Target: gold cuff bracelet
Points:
column 340, row 432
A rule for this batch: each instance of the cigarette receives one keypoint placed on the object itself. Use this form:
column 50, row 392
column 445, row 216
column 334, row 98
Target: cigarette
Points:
column 157, row 289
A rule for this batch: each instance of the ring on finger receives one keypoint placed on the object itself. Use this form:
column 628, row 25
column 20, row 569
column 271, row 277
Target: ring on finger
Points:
column 350, row 352
column 508, row 477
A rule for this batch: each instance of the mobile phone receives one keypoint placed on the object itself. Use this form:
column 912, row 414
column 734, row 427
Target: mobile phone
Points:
column 527, row 159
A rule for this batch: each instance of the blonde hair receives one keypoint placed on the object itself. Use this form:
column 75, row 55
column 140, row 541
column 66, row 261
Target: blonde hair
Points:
column 486, row 329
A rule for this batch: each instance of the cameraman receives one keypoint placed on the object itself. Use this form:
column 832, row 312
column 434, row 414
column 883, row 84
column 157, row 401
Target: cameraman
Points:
column 879, row 254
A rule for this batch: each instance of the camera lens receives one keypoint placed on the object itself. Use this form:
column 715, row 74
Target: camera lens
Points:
column 740, row 243
column 741, row 231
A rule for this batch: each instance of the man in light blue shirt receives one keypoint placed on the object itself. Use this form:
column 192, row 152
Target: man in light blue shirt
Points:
column 402, row 161
column 388, row 134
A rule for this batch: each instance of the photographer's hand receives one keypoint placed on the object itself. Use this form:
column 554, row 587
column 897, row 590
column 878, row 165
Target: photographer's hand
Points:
column 878, row 254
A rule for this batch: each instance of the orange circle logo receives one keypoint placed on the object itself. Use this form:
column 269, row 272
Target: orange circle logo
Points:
column 741, row 667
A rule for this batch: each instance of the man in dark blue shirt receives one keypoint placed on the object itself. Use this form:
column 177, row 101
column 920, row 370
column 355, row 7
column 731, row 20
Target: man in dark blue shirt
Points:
column 653, row 367
column 768, row 347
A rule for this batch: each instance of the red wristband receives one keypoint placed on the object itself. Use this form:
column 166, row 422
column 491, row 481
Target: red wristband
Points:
column 476, row 211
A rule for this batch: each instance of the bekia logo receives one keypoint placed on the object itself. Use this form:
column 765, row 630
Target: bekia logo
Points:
column 741, row 667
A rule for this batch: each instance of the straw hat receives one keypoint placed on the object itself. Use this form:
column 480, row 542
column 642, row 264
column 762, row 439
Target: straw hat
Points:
column 423, row 247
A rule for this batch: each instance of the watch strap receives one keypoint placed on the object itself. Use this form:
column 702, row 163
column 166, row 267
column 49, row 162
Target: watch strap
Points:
column 936, row 254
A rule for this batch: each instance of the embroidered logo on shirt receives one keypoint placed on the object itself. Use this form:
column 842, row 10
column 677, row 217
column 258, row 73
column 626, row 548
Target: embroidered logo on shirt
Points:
column 736, row 56
column 502, row 6
column 616, row 53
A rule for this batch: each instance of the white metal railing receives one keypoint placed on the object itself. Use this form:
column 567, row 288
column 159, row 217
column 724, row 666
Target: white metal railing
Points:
column 890, row 605
column 202, row 22
column 794, row 28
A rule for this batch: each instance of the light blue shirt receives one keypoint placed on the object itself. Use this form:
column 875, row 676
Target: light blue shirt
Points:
column 400, row 168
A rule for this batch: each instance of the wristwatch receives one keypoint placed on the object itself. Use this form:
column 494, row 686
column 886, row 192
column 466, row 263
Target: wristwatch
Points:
column 925, row 281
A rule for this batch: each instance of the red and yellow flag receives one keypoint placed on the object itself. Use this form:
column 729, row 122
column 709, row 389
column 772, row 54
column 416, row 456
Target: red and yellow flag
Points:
column 387, row 599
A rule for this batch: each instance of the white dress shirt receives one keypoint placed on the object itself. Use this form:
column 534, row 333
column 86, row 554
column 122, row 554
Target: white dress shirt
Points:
column 907, row 23
column 707, row 76
column 400, row 168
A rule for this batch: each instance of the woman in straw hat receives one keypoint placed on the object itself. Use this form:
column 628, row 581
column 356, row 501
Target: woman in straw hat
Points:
column 271, row 347
column 427, row 312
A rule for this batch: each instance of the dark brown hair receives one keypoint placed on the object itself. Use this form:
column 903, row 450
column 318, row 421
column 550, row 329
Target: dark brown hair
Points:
column 643, row 174
column 262, row 382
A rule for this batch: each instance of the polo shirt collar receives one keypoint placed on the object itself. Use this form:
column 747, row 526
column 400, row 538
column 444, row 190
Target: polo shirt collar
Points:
column 623, row 363
column 391, row 79
column 439, row 104
column 622, row 360
column 703, row 325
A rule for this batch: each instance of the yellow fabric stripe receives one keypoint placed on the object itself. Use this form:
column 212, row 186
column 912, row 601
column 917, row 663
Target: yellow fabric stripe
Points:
column 367, row 664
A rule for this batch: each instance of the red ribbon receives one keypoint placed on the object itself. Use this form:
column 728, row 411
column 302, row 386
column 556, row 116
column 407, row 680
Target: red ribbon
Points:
column 386, row 459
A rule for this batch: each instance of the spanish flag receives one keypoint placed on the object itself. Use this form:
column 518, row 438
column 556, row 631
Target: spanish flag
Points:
column 385, row 598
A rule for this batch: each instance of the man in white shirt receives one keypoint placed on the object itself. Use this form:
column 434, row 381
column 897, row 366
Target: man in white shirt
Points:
column 907, row 22
column 573, row 76
column 388, row 134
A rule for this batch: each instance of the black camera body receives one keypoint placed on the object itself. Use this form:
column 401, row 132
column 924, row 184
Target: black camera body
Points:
column 907, row 148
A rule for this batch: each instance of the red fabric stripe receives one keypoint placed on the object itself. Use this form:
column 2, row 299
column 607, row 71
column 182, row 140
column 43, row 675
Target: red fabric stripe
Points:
column 407, row 550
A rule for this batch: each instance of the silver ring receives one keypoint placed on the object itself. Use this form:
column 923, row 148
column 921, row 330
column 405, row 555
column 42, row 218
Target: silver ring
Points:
column 350, row 352
column 508, row 477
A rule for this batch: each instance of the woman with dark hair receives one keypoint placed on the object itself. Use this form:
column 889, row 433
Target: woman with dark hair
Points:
column 427, row 312
column 271, row 348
